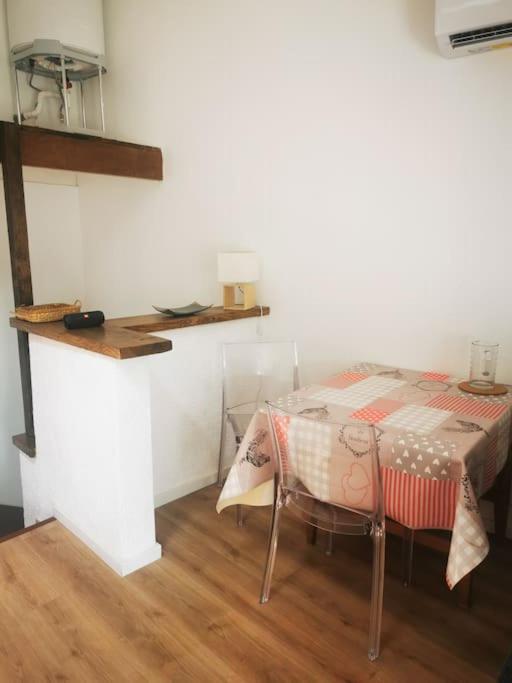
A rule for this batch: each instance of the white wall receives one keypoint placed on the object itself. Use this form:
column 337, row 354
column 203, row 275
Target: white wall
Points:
column 369, row 173
column 57, row 274
column 5, row 86
column 11, row 411
column 94, row 455
column 55, row 242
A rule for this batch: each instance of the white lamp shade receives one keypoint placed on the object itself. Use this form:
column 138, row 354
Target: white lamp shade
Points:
column 238, row 266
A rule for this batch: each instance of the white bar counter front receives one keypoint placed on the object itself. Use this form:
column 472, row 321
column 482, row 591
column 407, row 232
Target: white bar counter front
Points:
column 117, row 432
column 94, row 467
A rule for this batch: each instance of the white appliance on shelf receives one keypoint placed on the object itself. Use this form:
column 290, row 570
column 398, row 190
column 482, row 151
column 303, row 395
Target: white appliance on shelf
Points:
column 57, row 54
column 467, row 27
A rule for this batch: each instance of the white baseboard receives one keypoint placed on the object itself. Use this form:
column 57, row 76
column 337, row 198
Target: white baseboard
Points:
column 184, row 489
column 121, row 565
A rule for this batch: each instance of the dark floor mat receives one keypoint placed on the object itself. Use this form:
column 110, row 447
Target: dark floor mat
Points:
column 11, row 519
column 506, row 673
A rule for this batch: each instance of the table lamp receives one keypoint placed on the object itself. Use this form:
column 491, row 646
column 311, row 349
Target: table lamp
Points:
column 238, row 270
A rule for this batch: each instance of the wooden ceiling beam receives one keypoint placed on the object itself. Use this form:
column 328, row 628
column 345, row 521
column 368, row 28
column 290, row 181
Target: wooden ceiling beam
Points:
column 41, row 148
column 15, row 213
column 20, row 257
column 79, row 153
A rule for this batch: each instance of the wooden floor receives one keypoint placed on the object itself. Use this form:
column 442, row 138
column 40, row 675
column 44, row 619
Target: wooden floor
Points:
column 194, row 615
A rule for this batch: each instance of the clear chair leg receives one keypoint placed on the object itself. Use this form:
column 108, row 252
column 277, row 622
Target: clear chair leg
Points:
column 407, row 556
column 272, row 548
column 378, row 534
column 330, row 534
column 223, row 432
column 330, row 543
column 239, row 516
column 311, row 533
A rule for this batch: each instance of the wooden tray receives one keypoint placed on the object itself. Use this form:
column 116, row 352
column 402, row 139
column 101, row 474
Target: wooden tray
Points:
column 495, row 390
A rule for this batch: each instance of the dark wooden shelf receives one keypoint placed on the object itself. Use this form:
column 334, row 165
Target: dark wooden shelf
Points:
column 45, row 148
column 123, row 338
column 115, row 342
column 26, row 444
column 155, row 322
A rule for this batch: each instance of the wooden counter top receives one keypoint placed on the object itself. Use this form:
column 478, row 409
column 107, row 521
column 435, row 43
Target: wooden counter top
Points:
column 156, row 322
column 129, row 337
column 116, row 342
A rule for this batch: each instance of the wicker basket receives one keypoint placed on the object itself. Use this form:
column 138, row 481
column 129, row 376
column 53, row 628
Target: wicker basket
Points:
column 46, row 313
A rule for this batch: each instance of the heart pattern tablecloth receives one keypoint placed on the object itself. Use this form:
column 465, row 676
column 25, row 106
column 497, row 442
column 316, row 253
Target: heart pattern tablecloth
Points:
column 440, row 450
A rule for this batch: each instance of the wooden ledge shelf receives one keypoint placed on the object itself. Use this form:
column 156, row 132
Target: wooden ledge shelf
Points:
column 123, row 338
column 45, row 148
column 26, row 444
column 116, row 342
column 157, row 322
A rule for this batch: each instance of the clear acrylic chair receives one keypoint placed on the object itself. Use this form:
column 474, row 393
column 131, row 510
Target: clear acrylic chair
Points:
column 253, row 373
column 310, row 452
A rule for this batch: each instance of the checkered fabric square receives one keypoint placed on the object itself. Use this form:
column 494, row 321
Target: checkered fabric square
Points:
column 369, row 414
column 290, row 401
column 503, row 440
column 368, row 368
column 360, row 394
column 345, row 379
column 232, row 485
column 281, row 423
column 435, row 376
column 469, row 545
column 468, row 406
column 353, row 376
column 417, row 419
column 309, row 452
column 489, row 474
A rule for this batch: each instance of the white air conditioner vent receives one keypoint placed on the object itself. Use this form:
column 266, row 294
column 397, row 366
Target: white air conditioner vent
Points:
column 466, row 27
column 481, row 35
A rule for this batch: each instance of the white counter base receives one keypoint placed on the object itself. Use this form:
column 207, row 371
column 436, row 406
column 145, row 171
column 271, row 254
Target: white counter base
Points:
column 94, row 468
column 123, row 566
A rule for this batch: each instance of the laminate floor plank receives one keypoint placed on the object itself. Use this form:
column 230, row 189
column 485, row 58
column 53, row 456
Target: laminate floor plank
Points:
column 194, row 615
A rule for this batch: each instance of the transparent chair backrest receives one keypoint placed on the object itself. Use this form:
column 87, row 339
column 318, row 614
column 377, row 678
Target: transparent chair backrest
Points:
column 330, row 461
column 255, row 372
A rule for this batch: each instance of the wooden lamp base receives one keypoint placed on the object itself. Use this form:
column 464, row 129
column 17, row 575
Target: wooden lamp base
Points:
column 248, row 291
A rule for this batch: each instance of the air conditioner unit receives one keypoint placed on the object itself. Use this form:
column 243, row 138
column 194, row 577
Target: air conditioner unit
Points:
column 468, row 27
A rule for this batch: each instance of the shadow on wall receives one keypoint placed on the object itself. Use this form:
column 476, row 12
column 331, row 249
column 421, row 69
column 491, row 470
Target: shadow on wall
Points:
column 420, row 21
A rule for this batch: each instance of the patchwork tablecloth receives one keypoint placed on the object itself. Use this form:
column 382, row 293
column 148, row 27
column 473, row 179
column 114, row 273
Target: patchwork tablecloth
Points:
column 440, row 450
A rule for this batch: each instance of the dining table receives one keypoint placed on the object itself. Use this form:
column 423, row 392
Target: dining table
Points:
column 440, row 449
